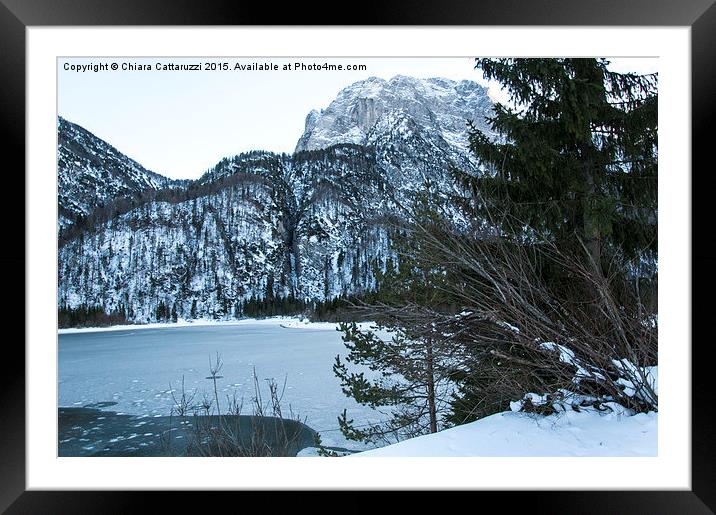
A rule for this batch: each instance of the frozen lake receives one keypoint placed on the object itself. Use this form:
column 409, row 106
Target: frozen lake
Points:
column 138, row 368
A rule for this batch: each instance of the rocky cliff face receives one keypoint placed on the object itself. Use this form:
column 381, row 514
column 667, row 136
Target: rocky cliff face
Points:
column 362, row 112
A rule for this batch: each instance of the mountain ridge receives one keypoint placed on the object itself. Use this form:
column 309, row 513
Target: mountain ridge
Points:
column 90, row 172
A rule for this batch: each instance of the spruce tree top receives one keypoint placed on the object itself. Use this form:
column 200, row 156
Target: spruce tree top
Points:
column 577, row 159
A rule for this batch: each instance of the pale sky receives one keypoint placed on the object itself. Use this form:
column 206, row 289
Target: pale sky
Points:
column 180, row 123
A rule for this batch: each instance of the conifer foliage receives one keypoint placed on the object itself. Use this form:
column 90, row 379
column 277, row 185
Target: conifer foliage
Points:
column 408, row 356
column 569, row 190
column 577, row 160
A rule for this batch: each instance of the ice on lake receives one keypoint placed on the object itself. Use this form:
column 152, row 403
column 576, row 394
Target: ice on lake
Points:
column 137, row 368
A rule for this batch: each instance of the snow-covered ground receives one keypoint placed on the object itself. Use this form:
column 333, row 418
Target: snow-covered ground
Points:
column 137, row 367
column 284, row 321
column 522, row 434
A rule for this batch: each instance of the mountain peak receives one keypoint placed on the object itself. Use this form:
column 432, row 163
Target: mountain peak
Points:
column 438, row 105
column 91, row 172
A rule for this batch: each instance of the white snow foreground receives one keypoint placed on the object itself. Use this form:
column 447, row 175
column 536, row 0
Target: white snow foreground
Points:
column 587, row 433
column 615, row 431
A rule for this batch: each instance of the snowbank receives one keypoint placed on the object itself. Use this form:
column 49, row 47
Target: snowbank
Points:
column 522, row 434
column 287, row 322
column 283, row 321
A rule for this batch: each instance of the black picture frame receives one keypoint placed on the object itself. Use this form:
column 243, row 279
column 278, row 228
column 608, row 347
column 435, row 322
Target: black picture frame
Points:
column 699, row 15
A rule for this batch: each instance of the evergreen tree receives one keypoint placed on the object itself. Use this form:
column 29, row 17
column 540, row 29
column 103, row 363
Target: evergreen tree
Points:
column 413, row 362
column 574, row 164
column 402, row 384
column 577, row 158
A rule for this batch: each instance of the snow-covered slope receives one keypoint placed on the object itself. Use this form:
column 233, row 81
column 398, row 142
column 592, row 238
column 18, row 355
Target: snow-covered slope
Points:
column 570, row 433
column 258, row 225
column 91, row 172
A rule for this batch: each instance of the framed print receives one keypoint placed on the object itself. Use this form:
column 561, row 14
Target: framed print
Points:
column 288, row 254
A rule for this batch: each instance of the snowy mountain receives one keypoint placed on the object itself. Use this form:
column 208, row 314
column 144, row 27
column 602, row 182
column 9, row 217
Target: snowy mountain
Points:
column 91, row 172
column 260, row 225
